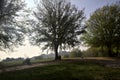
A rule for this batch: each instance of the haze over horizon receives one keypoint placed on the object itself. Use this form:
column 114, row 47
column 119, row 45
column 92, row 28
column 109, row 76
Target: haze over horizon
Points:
column 30, row 51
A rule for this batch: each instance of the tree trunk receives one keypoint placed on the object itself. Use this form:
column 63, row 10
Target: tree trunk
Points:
column 117, row 50
column 102, row 50
column 56, row 52
column 110, row 50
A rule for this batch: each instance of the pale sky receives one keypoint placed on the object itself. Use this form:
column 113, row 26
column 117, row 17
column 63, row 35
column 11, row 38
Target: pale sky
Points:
column 30, row 51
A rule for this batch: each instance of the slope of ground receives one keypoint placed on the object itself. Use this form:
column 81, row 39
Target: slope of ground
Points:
column 65, row 70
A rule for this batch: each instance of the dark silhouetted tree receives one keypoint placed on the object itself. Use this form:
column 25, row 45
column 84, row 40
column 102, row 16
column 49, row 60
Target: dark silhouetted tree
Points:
column 58, row 24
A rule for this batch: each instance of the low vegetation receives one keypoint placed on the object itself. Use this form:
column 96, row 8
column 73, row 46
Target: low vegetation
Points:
column 64, row 71
column 5, row 64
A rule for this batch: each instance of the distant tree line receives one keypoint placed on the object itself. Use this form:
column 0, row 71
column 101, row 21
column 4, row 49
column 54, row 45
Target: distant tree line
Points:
column 12, row 59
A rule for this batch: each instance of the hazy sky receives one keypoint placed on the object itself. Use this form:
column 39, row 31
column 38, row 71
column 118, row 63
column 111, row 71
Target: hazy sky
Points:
column 29, row 51
column 91, row 5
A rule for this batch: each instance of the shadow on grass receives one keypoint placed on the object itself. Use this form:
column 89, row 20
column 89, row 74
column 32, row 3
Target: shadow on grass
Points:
column 64, row 71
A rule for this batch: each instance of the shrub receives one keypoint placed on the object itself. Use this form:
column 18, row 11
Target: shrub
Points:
column 76, row 53
column 66, row 56
column 95, row 52
column 27, row 61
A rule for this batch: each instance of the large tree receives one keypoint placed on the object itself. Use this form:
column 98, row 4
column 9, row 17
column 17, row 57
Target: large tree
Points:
column 103, row 28
column 11, row 33
column 59, row 23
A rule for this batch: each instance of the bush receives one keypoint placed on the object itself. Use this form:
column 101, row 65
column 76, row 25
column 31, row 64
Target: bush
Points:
column 76, row 53
column 66, row 56
column 95, row 52
column 27, row 61
column 91, row 52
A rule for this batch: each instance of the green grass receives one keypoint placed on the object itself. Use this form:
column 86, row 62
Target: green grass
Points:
column 64, row 71
column 41, row 60
column 20, row 62
column 12, row 63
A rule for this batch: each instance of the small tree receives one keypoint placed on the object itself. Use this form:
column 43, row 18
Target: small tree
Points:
column 58, row 25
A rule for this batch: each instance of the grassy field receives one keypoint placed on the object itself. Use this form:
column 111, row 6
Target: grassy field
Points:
column 20, row 62
column 41, row 60
column 12, row 63
column 64, row 71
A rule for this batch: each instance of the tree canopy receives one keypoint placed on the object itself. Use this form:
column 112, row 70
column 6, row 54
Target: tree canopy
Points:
column 11, row 33
column 59, row 23
column 103, row 28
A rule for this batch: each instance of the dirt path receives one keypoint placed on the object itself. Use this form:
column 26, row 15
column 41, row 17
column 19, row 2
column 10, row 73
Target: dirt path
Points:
column 27, row 66
column 108, row 62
